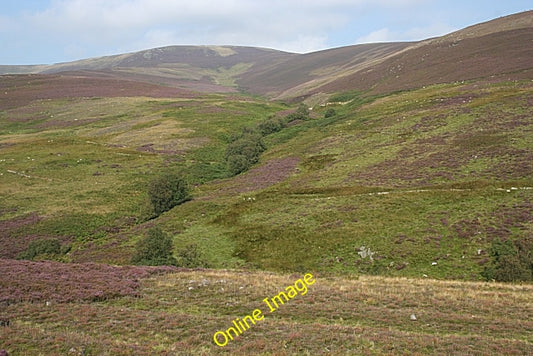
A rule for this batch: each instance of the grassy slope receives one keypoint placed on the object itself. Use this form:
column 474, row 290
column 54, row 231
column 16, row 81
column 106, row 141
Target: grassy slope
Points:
column 77, row 168
column 419, row 177
column 426, row 179
column 177, row 314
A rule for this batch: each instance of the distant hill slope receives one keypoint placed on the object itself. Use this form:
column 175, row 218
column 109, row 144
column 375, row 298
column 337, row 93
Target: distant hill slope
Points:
column 499, row 47
column 507, row 53
column 300, row 74
column 205, row 57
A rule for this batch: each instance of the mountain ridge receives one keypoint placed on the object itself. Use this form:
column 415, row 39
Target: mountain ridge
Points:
column 312, row 76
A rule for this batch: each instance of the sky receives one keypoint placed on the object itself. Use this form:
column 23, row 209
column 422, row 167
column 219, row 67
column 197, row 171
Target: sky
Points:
column 53, row 31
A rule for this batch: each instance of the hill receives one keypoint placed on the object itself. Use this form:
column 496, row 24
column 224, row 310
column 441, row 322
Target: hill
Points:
column 81, row 146
column 202, row 68
column 403, row 184
column 494, row 48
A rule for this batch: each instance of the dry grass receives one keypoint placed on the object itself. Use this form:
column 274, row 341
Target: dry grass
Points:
column 177, row 314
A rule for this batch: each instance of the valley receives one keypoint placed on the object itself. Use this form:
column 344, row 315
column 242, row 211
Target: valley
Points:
column 399, row 175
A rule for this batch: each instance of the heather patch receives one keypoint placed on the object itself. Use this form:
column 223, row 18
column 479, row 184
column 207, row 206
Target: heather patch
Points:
column 53, row 281
column 12, row 236
column 261, row 177
column 22, row 89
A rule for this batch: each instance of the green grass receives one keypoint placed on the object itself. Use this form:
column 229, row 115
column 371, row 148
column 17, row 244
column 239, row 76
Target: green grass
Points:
column 422, row 180
column 415, row 176
column 82, row 165
column 421, row 183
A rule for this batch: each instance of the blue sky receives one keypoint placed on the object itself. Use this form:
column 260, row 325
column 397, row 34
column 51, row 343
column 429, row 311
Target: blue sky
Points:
column 52, row 31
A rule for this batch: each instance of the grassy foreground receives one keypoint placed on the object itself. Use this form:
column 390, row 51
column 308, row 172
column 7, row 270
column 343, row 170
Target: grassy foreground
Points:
column 178, row 313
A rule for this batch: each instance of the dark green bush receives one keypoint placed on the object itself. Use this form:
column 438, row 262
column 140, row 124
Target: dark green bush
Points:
column 167, row 191
column 302, row 113
column 242, row 153
column 155, row 249
column 238, row 164
column 41, row 247
column 330, row 113
column 191, row 257
column 249, row 146
column 270, row 126
column 510, row 261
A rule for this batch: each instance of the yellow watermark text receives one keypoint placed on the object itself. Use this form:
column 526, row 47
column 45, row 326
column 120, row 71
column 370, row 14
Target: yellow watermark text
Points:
column 300, row 286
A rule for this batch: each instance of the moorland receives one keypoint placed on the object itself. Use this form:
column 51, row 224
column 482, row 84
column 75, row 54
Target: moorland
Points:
column 399, row 174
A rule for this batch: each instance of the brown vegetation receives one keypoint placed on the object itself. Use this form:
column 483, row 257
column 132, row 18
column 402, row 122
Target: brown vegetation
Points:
column 59, row 282
column 18, row 90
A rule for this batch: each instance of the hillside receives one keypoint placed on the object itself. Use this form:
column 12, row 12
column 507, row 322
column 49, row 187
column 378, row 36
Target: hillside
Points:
column 494, row 48
column 79, row 148
column 403, row 189
column 203, row 68
column 178, row 314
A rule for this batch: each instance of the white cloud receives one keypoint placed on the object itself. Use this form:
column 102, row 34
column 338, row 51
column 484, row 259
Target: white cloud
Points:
column 296, row 25
column 434, row 30
column 412, row 34
column 382, row 35
column 68, row 29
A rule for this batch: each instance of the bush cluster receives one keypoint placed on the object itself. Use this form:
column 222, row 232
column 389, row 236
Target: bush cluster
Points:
column 155, row 249
column 167, row 191
column 302, row 113
column 45, row 248
column 511, row 261
column 243, row 152
column 244, row 149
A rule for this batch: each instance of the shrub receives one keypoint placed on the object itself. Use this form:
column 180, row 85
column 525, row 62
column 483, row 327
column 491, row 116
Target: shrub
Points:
column 330, row 113
column 511, row 261
column 191, row 257
column 250, row 146
column 40, row 247
column 270, row 126
column 238, row 164
column 155, row 249
column 242, row 153
column 167, row 191
column 302, row 113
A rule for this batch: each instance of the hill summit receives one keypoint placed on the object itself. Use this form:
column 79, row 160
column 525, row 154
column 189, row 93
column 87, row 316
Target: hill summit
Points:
column 494, row 48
